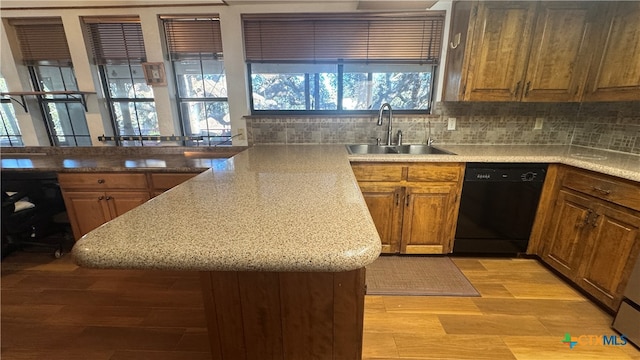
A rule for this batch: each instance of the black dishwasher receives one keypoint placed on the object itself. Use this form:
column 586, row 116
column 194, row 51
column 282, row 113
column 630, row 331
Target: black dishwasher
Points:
column 498, row 207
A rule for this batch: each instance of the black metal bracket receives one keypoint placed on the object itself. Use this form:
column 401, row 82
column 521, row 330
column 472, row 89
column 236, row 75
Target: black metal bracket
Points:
column 149, row 138
column 72, row 96
column 7, row 98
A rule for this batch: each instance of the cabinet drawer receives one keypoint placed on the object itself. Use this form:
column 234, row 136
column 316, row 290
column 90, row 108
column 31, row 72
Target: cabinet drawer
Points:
column 612, row 190
column 167, row 181
column 102, row 181
column 435, row 172
column 377, row 171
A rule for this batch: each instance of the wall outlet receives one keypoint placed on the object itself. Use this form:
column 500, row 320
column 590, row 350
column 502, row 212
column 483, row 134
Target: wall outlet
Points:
column 241, row 134
column 538, row 125
column 451, row 124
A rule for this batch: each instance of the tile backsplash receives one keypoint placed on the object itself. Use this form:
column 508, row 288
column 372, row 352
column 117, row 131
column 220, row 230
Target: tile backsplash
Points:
column 611, row 126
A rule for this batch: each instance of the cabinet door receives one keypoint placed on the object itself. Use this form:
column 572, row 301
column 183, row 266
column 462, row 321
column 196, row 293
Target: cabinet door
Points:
column 559, row 58
column 565, row 244
column 429, row 219
column 615, row 72
column 86, row 210
column 161, row 182
column 121, row 202
column 499, row 51
column 385, row 205
column 613, row 246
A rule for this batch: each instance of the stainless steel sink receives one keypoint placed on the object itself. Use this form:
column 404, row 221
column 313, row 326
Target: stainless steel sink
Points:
column 421, row 149
column 371, row 149
column 415, row 149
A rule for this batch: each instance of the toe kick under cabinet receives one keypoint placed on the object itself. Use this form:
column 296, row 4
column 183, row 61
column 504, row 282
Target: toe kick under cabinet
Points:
column 413, row 205
column 92, row 199
column 592, row 232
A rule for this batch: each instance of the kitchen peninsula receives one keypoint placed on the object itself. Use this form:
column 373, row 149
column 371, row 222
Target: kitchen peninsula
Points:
column 281, row 236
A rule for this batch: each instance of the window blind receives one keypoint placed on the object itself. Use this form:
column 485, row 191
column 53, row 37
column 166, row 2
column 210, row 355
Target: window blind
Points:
column 406, row 38
column 41, row 39
column 193, row 38
column 116, row 40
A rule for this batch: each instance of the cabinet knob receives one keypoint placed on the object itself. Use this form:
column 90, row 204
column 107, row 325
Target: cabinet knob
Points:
column 109, row 198
column 100, row 198
column 100, row 181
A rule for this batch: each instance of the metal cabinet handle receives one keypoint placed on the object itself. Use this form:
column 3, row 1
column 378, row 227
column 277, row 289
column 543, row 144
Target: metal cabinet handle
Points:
column 407, row 200
column 517, row 88
column 109, row 198
column 100, row 181
column 594, row 221
column 600, row 190
column 100, row 198
column 397, row 198
column 585, row 220
column 526, row 89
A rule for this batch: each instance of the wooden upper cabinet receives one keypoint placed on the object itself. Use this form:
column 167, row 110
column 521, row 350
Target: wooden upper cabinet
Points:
column 560, row 53
column 546, row 51
column 499, row 46
column 615, row 72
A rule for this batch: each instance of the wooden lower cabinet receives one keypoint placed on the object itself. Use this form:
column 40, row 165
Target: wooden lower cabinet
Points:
column 591, row 238
column 414, row 206
column 161, row 182
column 89, row 209
column 613, row 243
column 564, row 248
column 384, row 203
column 92, row 199
column 429, row 221
column 86, row 211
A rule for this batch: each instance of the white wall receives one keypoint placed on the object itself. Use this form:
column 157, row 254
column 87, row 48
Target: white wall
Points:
column 86, row 72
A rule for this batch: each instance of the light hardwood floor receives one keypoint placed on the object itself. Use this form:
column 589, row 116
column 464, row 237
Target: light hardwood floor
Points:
column 53, row 310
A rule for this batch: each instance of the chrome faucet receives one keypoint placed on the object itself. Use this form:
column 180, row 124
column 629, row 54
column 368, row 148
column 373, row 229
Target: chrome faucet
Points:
column 389, row 129
column 429, row 139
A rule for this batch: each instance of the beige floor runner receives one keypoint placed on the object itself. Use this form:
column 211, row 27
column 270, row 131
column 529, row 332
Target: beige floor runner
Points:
column 417, row 275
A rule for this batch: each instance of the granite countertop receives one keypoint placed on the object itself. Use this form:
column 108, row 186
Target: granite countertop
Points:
column 270, row 208
column 622, row 165
column 109, row 163
column 613, row 163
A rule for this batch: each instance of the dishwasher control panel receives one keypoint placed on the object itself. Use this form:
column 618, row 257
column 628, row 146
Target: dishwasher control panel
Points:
column 504, row 172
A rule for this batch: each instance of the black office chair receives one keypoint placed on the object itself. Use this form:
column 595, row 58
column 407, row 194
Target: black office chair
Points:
column 30, row 218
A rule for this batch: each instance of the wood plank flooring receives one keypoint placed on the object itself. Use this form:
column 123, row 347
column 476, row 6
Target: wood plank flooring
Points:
column 54, row 310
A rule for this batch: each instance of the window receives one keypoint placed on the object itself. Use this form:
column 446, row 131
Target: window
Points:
column 10, row 132
column 329, row 63
column 195, row 51
column 45, row 51
column 118, row 50
column 67, row 125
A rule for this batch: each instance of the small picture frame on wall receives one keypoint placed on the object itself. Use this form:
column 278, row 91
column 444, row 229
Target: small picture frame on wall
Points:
column 154, row 73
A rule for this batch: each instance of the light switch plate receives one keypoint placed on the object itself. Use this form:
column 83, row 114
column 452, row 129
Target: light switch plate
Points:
column 538, row 125
column 451, row 125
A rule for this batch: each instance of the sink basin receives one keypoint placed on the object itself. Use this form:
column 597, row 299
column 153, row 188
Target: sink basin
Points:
column 416, row 149
column 371, row 149
column 421, row 149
